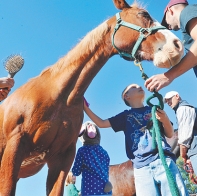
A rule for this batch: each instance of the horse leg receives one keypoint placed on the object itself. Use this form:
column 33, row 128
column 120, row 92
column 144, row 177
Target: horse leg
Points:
column 59, row 167
column 11, row 162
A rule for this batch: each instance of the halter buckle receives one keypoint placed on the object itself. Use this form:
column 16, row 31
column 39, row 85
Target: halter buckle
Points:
column 146, row 32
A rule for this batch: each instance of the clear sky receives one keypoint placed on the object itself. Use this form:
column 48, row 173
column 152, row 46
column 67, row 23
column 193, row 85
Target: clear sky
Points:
column 43, row 31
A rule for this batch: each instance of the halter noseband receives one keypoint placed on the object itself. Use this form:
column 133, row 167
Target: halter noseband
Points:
column 144, row 32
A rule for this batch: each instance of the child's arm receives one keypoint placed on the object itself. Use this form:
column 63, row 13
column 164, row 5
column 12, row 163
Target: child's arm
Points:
column 163, row 118
column 78, row 163
column 97, row 120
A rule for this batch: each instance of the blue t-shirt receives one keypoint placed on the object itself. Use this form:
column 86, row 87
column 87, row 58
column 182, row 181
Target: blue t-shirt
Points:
column 138, row 139
column 93, row 162
column 188, row 13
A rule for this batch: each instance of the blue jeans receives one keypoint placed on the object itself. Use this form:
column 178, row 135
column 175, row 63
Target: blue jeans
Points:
column 193, row 160
column 151, row 180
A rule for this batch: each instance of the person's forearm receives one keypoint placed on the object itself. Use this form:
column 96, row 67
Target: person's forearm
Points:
column 168, row 129
column 92, row 116
column 97, row 120
column 187, row 62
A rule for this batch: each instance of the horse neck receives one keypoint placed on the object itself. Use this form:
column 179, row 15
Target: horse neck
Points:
column 73, row 73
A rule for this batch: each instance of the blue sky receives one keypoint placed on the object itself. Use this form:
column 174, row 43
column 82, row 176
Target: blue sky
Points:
column 44, row 31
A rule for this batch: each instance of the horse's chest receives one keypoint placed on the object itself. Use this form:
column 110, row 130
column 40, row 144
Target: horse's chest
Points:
column 36, row 158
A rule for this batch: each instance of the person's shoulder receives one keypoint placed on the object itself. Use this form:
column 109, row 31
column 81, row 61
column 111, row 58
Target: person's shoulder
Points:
column 101, row 147
column 183, row 108
column 189, row 12
column 190, row 7
column 127, row 111
column 148, row 107
column 81, row 149
column 142, row 109
column 124, row 112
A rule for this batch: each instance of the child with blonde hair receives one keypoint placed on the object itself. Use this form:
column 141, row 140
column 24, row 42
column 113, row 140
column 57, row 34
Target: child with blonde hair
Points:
column 149, row 172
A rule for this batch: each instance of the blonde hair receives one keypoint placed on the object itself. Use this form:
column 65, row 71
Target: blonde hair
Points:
column 69, row 178
column 123, row 94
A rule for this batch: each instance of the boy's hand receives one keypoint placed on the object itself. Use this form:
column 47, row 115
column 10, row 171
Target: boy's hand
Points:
column 161, row 115
column 86, row 104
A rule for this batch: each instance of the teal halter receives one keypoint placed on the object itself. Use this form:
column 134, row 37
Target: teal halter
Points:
column 144, row 33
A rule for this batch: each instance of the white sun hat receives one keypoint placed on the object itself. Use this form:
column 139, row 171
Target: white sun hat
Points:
column 170, row 95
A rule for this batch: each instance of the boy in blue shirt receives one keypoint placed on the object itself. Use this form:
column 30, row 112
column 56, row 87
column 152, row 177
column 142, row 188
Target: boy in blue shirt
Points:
column 149, row 172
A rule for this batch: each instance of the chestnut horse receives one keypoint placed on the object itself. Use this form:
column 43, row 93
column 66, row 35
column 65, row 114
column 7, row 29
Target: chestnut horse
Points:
column 40, row 121
column 122, row 177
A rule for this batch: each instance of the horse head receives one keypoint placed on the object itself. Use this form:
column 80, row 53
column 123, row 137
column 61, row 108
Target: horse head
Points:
column 137, row 36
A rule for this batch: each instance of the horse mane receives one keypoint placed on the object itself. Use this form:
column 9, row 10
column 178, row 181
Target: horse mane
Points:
column 138, row 4
column 85, row 45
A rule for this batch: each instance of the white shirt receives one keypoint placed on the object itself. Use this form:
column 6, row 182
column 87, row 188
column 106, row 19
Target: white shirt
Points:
column 185, row 118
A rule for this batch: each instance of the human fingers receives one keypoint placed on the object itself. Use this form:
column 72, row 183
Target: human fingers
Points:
column 149, row 83
column 3, row 94
column 6, row 82
column 157, row 82
column 4, row 90
column 152, row 84
column 10, row 82
column 157, row 115
column 160, row 111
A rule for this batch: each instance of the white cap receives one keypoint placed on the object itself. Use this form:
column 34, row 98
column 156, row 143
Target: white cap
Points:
column 170, row 95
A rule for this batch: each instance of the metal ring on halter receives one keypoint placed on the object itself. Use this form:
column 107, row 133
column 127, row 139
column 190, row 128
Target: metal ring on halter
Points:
column 138, row 63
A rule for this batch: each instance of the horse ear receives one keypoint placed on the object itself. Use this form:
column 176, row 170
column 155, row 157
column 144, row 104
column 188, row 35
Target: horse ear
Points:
column 121, row 4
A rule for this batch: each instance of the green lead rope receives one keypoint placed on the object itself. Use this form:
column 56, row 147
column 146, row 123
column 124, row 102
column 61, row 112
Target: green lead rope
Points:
column 158, row 140
column 156, row 135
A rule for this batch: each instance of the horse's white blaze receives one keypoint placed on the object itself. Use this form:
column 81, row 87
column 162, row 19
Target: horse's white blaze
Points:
column 169, row 52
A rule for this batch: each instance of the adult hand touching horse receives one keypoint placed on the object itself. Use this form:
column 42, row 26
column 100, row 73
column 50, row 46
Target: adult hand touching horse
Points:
column 5, row 86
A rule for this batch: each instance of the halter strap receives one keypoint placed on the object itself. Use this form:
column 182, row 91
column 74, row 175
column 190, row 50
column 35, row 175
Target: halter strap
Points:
column 144, row 32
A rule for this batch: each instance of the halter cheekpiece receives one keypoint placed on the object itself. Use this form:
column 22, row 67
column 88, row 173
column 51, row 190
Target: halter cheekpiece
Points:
column 144, row 32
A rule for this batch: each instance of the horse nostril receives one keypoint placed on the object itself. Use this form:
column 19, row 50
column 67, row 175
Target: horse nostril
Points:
column 178, row 44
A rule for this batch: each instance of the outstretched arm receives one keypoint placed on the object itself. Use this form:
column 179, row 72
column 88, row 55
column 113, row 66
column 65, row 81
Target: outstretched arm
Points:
column 159, row 81
column 97, row 120
column 163, row 118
